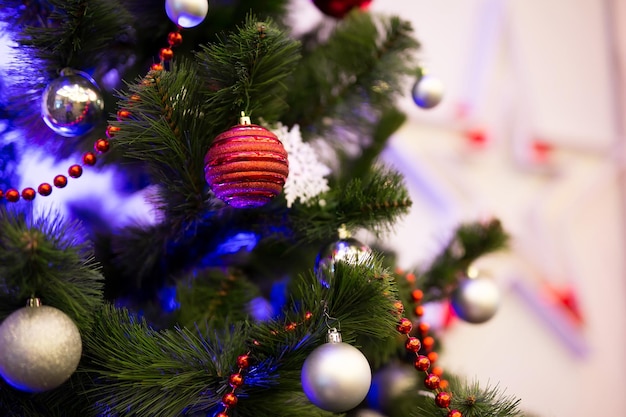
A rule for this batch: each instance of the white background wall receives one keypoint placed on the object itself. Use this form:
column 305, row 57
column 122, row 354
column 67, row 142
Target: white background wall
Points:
column 528, row 70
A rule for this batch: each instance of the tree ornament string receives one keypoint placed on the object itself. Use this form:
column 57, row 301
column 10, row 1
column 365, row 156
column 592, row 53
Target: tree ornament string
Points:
column 101, row 145
column 425, row 356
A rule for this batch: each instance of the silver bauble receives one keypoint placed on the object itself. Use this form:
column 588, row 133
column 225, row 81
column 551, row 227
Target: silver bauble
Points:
column 336, row 376
column 186, row 13
column 347, row 250
column 427, row 91
column 40, row 348
column 72, row 104
column 389, row 383
column 364, row 412
column 476, row 300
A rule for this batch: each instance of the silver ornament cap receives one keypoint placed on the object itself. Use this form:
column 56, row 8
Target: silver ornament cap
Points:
column 186, row 13
column 336, row 376
column 40, row 348
column 428, row 91
column 476, row 300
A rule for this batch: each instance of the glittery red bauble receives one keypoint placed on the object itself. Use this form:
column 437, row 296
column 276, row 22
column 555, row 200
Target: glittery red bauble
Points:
column 340, row 8
column 246, row 166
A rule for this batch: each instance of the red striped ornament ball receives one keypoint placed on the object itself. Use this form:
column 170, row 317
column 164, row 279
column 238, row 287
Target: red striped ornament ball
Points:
column 246, row 166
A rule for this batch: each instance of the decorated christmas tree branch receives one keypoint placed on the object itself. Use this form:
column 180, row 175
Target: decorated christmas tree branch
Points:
column 246, row 71
column 469, row 242
column 49, row 259
column 348, row 77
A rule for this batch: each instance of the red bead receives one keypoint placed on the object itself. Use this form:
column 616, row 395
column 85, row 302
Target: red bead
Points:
column 410, row 277
column 428, row 342
column 308, row 315
column 433, row 356
column 454, row 413
column 246, row 166
column 75, row 171
column 398, row 307
column 422, row 363
column 443, row 384
column 442, row 399
column 221, row 414
column 156, row 67
column 229, row 399
column 339, row 8
column 437, row 370
column 419, row 311
column 60, row 181
column 44, row 189
column 235, row 380
column 417, row 295
column 432, row 381
column 423, row 327
column 89, row 158
column 28, row 194
column 1, row 193
column 291, row 327
column 112, row 130
column 102, row 145
column 174, row 38
column 413, row 344
column 404, row 326
column 134, row 98
column 243, row 361
column 256, row 343
column 12, row 195
column 166, row 54
column 122, row 114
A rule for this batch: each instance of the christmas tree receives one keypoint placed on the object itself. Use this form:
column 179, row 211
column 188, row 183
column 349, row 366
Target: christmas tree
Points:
column 247, row 293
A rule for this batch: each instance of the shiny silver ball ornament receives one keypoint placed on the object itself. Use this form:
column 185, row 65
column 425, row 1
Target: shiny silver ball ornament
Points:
column 476, row 300
column 72, row 104
column 336, row 376
column 40, row 348
column 347, row 250
column 186, row 13
column 427, row 91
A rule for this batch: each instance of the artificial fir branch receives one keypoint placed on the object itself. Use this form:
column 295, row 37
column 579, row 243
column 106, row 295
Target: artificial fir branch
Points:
column 246, row 71
column 49, row 259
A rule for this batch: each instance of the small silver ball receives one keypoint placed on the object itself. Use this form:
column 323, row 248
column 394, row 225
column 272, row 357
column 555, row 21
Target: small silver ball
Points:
column 347, row 250
column 40, row 348
column 72, row 104
column 476, row 300
column 336, row 377
column 186, row 13
column 428, row 91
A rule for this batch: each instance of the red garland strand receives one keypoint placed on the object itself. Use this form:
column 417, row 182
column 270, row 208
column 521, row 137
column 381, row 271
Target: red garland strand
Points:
column 101, row 145
column 424, row 363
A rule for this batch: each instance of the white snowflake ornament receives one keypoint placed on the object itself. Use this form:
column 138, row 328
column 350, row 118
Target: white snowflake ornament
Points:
column 306, row 173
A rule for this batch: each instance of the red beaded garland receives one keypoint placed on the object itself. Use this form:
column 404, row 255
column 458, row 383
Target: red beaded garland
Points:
column 101, row 145
column 28, row 193
column 122, row 114
column 156, row 67
column 235, row 380
column 404, row 326
column 417, row 295
column 174, row 38
column 44, row 189
column 291, row 327
column 60, row 181
column 454, row 413
column 89, row 158
column 243, row 361
column 229, row 399
column 422, row 363
column 166, row 54
column 432, row 381
column 443, row 399
column 75, row 171
column 12, row 195
column 413, row 344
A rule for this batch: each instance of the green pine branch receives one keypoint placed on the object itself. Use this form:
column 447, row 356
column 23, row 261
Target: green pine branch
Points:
column 48, row 259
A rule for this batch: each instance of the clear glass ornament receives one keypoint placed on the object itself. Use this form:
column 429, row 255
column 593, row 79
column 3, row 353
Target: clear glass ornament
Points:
column 72, row 104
